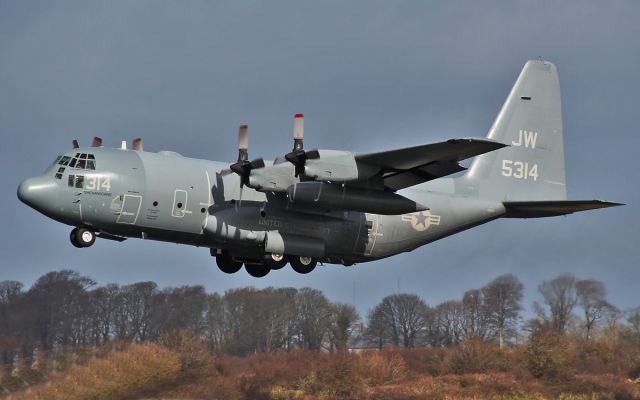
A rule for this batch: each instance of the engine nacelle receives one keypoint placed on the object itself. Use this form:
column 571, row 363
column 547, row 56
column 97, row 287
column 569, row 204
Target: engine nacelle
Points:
column 335, row 196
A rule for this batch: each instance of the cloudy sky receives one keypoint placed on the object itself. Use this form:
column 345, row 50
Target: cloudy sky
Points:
column 368, row 75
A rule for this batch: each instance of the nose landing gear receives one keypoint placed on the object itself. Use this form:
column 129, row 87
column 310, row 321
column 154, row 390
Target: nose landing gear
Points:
column 82, row 237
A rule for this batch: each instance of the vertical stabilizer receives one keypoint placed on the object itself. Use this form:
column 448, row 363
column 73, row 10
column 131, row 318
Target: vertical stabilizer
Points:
column 530, row 122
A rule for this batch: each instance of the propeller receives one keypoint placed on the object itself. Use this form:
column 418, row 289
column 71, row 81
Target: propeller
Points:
column 298, row 156
column 97, row 142
column 243, row 166
column 137, row 144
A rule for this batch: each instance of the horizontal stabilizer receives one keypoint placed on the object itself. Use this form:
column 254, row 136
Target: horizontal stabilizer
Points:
column 538, row 209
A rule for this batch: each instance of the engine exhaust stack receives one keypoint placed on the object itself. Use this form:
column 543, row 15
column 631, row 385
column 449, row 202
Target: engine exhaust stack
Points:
column 137, row 144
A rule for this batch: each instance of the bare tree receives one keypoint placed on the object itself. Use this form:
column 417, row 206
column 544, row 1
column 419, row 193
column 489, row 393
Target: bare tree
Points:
column 592, row 298
column 503, row 297
column 378, row 329
column 449, row 324
column 314, row 313
column 559, row 295
column 476, row 320
column 401, row 317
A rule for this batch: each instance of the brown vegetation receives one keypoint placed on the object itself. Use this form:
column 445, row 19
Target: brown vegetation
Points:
column 182, row 368
column 66, row 339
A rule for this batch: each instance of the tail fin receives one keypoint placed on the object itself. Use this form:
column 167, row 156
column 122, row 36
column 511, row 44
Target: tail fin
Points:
column 530, row 122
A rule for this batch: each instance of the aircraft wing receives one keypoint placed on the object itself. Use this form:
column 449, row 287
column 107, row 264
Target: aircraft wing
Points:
column 413, row 165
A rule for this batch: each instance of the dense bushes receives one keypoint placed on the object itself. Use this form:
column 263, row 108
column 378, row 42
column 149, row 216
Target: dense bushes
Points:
column 139, row 368
column 549, row 367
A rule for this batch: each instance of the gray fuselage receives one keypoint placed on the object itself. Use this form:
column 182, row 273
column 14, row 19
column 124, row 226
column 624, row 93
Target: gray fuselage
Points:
column 164, row 196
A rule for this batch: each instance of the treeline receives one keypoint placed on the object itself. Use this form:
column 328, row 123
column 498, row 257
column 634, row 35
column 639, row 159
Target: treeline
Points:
column 65, row 310
column 570, row 306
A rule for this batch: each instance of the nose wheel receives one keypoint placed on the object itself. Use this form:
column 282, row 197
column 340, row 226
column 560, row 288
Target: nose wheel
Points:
column 82, row 237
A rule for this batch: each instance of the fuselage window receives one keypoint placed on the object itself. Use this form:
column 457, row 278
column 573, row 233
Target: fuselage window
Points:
column 83, row 161
column 76, row 181
column 65, row 160
column 59, row 173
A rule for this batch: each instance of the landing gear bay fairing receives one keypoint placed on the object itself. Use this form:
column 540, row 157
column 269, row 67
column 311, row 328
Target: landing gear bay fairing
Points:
column 312, row 206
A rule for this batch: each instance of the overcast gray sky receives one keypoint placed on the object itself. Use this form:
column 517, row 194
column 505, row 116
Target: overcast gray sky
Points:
column 368, row 75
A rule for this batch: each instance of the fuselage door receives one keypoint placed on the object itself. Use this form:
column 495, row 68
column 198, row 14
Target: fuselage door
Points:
column 130, row 209
column 372, row 225
column 179, row 203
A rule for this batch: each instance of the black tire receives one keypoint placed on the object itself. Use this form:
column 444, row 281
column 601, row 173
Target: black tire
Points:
column 303, row 265
column 275, row 261
column 257, row 270
column 84, row 237
column 72, row 238
column 227, row 264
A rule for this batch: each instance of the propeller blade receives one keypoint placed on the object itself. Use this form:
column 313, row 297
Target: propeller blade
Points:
column 97, row 142
column 75, row 144
column 137, row 144
column 298, row 131
column 243, row 143
column 297, row 156
column 257, row 163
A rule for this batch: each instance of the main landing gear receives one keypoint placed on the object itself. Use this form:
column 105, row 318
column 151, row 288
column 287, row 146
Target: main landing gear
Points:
column 227, row 264
column 260, row 268
column 302, row 264
column 82, row 237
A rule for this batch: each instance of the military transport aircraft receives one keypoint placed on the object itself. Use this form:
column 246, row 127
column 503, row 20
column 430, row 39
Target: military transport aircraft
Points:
column 318, row 205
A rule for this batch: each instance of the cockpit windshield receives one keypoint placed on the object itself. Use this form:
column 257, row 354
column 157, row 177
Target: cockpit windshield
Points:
column 82, row 161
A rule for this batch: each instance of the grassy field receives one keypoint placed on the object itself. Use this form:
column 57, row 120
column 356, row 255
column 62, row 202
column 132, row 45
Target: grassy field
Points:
column 181, row 368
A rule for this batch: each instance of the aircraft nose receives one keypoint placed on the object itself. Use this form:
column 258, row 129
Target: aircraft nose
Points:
column 34, row 191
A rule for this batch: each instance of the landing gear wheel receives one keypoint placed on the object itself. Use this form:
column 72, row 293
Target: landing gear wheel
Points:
column 227, row 264
column 275, row 261
column 72, row 237
column 303, row 264
column 81, row 237
column 257, row 270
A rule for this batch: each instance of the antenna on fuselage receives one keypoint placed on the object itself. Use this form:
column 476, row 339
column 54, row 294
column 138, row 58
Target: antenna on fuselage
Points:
column 97, row 142
column 75, row 144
